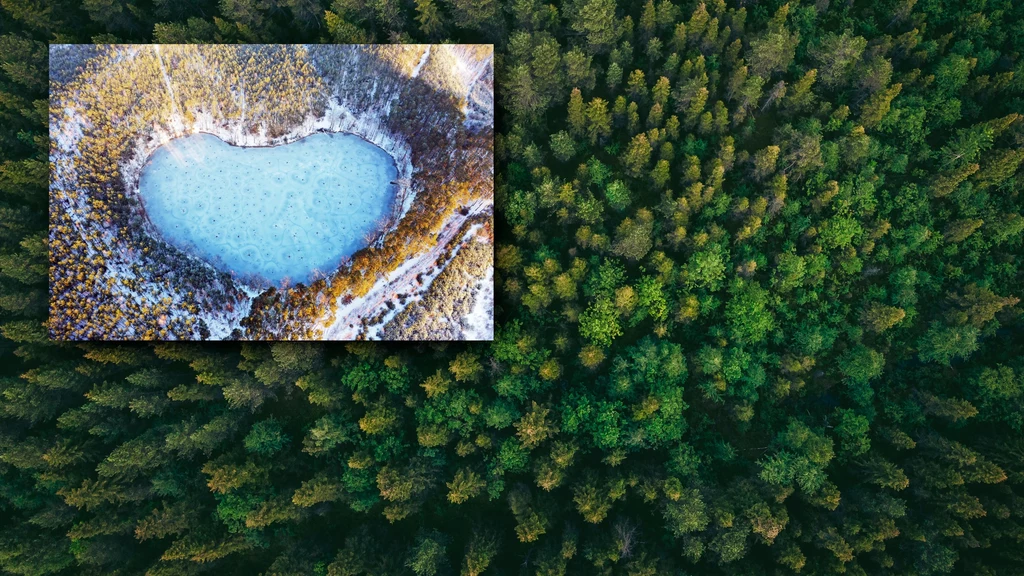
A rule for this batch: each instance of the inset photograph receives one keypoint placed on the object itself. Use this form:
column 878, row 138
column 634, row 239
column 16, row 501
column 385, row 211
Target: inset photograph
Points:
column 271, row 192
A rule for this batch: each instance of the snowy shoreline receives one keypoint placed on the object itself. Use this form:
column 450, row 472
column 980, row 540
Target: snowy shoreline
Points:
column 279, row 144
column 345, row 325
column 223, row 299
column 336, row 118
column 273, row 216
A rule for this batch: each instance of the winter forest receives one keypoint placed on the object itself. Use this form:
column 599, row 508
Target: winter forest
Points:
column 757, row 278
column 269, row 191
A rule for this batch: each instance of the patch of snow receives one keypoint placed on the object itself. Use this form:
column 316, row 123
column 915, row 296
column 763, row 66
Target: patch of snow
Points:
column 466, row 71
column 423, row 60
column 68, row 131
column 351, row 313
column 479, row 323
column 346, row 321
column 222, row 323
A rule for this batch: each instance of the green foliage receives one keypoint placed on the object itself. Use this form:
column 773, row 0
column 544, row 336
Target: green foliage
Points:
column 941, row 344
column 599, row 322
column 852, row 430
column 861, row 364
column 801, row 459
column 747, row 315
column 266, row 438
column 563, row 146
column 618, row 195
column 706, row 269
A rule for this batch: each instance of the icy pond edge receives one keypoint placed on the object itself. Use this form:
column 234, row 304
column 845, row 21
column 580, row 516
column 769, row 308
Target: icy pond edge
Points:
column 392, row 195
column 337, row 118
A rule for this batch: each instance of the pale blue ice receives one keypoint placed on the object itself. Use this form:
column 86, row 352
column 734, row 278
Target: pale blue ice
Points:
column 275, row 213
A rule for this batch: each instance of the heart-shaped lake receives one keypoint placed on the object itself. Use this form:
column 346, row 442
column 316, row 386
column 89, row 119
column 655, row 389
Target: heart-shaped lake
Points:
column 276, row 212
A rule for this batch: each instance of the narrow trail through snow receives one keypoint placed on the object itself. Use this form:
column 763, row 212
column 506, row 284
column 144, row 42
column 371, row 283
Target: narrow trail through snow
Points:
column 423, row 61
column 346, row 324
column 167, row 79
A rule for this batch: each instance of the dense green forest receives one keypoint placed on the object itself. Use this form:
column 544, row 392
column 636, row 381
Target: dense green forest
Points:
column 758, row 270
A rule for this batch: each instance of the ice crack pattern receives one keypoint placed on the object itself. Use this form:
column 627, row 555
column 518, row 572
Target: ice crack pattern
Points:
column 272, row 213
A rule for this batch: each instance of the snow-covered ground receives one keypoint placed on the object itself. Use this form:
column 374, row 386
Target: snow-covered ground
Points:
column 479, row 323
column 65, row 192
column 424, row 283
column 423, row 60
column 467, row 72
column 412, row 278
column 279, row 213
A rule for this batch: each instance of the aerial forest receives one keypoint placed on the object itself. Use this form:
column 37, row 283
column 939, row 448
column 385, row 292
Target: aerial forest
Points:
column 757, row 278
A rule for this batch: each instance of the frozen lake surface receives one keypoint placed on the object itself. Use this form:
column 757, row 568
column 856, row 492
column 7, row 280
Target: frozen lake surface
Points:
column 278, row 213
